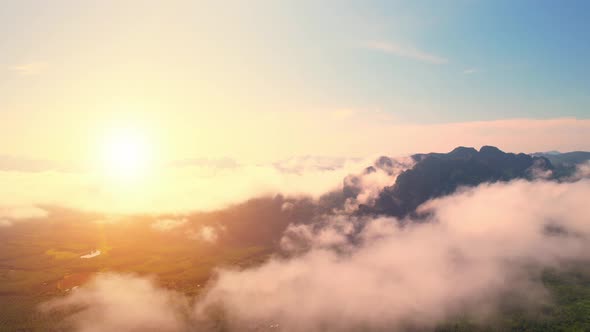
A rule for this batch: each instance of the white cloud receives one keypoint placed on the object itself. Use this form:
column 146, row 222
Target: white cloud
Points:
column 405, row 51
column 167, row 224
column 470, row 71
column 582, row 171
column 123, row 303
column 32, row 68
column 205, row 233
column 480, row 244
column 14, row 163
column 9, row 214
column 174, row 189
column 351, row 273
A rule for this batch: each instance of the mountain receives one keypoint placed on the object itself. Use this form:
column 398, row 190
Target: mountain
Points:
column 565, row 163
column 556, row 158
column 438, row 174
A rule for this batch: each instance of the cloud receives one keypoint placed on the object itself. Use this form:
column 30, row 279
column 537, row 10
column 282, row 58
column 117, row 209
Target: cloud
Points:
column 364, row 188
column 113, row 302
column 304, row 164
column 205, row 233
column 287, row 206
column 9, row 214
column 478, row 247
column 582, row 172
column 367, row 134
column 206, row 162
column 167, row 224
column 32, row 68
column 204, row 186
column 14, row 163
column 405, row 51
column 470, row 71
column 172, row 190
column 343, row 113
column 539, row 171
column 517, row 135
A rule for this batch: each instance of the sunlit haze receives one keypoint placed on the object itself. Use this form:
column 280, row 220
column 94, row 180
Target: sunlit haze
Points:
column 294, row 165
column 126, row 153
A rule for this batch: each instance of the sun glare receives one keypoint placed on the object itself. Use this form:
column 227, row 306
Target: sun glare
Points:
column 125, row 154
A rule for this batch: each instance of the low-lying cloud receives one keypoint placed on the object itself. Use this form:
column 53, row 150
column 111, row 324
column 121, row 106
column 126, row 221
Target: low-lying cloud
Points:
column 207, row 184
column 465, row 254
column 207, row 234
column 31, row 68
column 10, row 214
column 113, row 302
column 174, row 190
column 406, row 51
column 167, row 224
column 582, row 171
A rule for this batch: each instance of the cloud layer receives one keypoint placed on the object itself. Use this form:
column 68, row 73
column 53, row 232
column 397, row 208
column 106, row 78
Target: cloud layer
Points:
column 206, row 184
column 405, row 51
column 181, row 189
column 346, row 273
column 31, row 68
column 10, row 214
column 114, row 302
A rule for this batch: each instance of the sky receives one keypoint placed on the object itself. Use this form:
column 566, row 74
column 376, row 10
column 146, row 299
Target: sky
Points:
column 165, row 108
column 268, row 80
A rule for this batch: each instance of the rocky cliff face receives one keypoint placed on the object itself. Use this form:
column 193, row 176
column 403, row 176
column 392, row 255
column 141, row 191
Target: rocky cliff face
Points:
column 438, row 174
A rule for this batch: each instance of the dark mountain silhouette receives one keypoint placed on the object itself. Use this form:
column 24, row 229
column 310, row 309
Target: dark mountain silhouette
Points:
column 438, row 174
column 556, row 158
column 565, row 163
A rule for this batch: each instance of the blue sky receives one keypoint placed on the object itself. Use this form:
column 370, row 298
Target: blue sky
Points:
column 114, row 105
column 68, row 68
column 502, row 59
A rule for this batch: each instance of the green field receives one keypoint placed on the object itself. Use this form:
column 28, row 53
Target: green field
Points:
column 567, row 310
column 39, row 261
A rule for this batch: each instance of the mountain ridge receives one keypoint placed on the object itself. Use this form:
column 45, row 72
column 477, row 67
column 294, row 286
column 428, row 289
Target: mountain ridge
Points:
column 439, row 174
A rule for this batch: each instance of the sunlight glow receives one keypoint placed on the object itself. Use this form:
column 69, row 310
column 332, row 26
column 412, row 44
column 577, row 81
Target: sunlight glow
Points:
column 126, row 154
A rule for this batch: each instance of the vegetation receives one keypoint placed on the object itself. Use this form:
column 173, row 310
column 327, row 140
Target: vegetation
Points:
column 568, row 309
column 38, row 265
column 40, row 261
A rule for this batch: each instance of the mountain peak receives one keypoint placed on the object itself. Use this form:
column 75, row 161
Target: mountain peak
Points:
column 462, row 152
column 490, row 150
column 439, row 174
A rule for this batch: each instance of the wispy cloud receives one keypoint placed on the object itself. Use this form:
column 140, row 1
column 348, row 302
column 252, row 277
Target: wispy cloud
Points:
column 474, row 250
column 167, row 224
column 31, row 68
column 470, row 71
column 10, row 214
column 405, row 51
column 173, row 190
column 206, row 233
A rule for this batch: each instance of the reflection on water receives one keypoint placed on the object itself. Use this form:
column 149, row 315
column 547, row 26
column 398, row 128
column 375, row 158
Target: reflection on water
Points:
column 93, row 253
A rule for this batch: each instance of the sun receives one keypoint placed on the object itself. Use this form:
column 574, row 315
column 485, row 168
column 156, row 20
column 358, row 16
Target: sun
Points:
column 125, row 153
